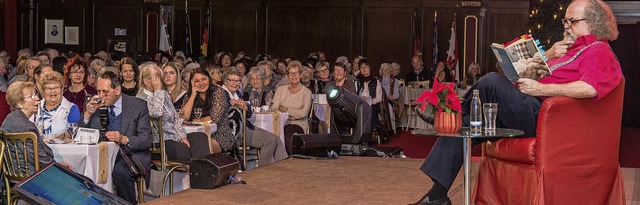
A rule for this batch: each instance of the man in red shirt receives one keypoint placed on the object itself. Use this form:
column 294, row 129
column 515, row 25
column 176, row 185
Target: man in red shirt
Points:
column 584, row 68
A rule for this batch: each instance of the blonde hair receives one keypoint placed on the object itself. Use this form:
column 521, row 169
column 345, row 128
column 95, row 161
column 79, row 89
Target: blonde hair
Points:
column 177, row 67
column 15, row 93
column 147, row 73
column 51, row 78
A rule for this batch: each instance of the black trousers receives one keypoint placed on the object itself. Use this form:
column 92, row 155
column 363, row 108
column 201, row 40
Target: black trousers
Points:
column 515, row 110
column 124, row 181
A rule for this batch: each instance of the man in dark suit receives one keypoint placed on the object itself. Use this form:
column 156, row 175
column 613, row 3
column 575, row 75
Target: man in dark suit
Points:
column 419, row 73
column 129, row 127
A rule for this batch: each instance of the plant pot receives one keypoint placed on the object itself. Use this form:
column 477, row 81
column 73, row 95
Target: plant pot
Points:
column 448, row 122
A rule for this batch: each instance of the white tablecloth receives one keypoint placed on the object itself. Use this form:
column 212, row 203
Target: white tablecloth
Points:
column 85, row 160
column 409, row 118
column 266, row 122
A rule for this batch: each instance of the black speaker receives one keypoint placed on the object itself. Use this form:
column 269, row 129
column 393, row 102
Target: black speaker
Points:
column 318, row 145
column 212, row 171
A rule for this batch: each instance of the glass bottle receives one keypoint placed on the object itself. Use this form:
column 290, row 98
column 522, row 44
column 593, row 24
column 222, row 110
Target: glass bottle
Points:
column 475, row 113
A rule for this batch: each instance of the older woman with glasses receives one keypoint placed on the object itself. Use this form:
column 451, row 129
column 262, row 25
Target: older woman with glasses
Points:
column 255, row 92
column 76, row 81
column 227, row 99
column 294, row 98
column 24, row 103
column 55, row 113
column 323, row 76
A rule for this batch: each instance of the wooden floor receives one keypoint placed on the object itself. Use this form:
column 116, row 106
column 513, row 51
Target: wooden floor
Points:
column 348, row 180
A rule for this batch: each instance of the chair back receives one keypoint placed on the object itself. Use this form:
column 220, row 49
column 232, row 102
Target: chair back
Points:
column 158, row 147
column 17, row 156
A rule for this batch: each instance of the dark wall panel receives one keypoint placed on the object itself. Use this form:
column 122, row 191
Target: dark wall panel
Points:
column 296, row 32
column 387, row 37
column 235, row 30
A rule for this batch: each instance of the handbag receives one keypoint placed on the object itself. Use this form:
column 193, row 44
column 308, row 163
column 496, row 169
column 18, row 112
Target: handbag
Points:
column 135, row 165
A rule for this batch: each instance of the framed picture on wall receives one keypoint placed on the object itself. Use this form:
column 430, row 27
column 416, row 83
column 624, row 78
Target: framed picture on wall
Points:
column 71, row 35
column 53, row 31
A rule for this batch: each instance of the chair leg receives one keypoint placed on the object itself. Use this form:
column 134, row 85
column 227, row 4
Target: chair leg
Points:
column 169, row 176
column 140, row 187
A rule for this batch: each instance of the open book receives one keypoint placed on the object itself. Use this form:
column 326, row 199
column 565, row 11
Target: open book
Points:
column 515, row 56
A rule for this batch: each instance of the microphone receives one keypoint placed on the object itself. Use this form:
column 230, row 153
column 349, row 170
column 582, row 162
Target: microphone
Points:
column 103, row 112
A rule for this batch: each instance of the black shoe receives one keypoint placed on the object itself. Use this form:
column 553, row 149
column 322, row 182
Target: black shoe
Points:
column 426, row 200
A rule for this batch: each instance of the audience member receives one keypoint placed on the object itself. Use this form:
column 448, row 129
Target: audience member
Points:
column 228, row 96
column 339, row 78
column 472, row 76
column 294, row 98
column 254, row 91
column 76, row 81
column 198, row 96
column 129, row 126
column 419, row 73
column 160, row 106
column 129, row 71
column 173, row 84
column 24, row 102
column 55, row 112
column 443, row 73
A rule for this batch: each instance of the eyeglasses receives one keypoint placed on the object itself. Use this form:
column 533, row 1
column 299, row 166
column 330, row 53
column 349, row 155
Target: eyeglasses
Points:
column 55, row 88
column 323, row 70
column 293, row 73
column 256, row 79
column 33, row 96
column 570, row 21
column 234, row 81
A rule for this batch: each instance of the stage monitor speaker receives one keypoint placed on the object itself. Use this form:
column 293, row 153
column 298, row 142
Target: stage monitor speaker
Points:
column 212, row 171
column 318, row 145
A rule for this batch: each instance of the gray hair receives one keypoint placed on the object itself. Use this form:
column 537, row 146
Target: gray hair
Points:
column 321, row 64
column 258, row 71
column 384, row 65
column 97, row 61
column 229, row 72
column 602, row 21
column 395, row 65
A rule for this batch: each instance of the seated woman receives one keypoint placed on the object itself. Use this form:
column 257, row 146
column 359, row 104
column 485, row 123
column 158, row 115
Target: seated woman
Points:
column 294, row 98
column 472, row 77
column 198, row 97
column 370, row 90
column 391, row 87
column 443, row 73
column 340, row 78
column 76, row 80
column 55, row 112
column 24, row 102
column 173, row 83
column 128, row 69
column 323, row 76
column 223, row 98
column 254, row 91
column 160, row 106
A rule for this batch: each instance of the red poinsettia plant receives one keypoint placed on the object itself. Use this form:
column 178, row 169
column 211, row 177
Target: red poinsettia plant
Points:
column 442, row 97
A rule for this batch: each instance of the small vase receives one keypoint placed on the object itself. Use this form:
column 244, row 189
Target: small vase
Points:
column 448, row 122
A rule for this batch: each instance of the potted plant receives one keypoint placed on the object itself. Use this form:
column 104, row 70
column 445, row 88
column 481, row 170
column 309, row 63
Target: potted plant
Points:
column 443, row 102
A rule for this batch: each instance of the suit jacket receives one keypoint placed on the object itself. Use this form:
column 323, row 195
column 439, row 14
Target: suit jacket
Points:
column 424, row 75
column 135, row 125
column 17, row 121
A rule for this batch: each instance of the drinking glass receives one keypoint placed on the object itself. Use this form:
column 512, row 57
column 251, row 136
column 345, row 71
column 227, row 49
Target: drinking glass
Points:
column 72, row 129
column 197, row 112
column 490, row 111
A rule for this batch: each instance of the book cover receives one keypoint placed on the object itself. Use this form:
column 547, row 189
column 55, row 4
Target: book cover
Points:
column 514, row 57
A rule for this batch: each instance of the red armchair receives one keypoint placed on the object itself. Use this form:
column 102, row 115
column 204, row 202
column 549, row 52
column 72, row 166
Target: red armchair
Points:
column 572, row 160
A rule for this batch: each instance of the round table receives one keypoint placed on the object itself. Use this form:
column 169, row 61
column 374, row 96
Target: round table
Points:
column 467, row 135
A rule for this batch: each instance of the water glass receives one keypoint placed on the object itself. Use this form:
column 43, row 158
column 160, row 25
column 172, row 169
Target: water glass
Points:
column 490, row 111
column 197, row 112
